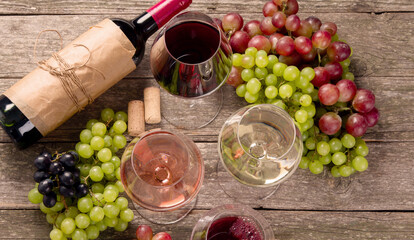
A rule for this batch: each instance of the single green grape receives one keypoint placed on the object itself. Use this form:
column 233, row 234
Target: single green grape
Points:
column 68, row 225
column 262, row 61
column 107, row 114
column 348, row 140
column 360, row 163
column 71, row 212
column 247, row 74
column 348, row 75
column 85, row 136
column 285, row 91
column 97, row 188
column 308, row 73
column 253, row 86
column 121, row 226
column 59, row 219
column 34, row 196
column 279, row 68
column 301, row 116
column 261, row 53
column 90, row 123
column 126, row 215
column 101, row 225
column 325, row 160
column 121, row 115
column 84, row 169
column 241, row 90
column 97, row 143
column 279, row 103
column 237, row 59
column 271, row 92
column 118, row 173
column 119, row 141
column 308, row 124
column 99, row 129
column 92, row 232
column 308, row 89
column 107, row 167
column 335, row 145
column 335, row 171
column 310, row 143
column 85, row 150
column 51, row 218
column 301, row 82
column 110, row 195
column 96, row 174
column 361, row 149
column 291, row 73
column 323, row 148
column 119, row 126
column 345, row 170
column 85, row 204
column 79, row 234
column 339, row 158
column 248, row 61
column 120, row 186
column 107, row 141
column 305, row 100
column 56, row 234
column 316, row 167
column 252, row 51
column 122, row 203
column 97, row 214
column 295, row 98
column 311, row 110
column 104, row 155
column 111, row 210
column 82, row 221
column 59, row 206
column 271, row 80
column 260, row 73
column 272, row 61
column 304, row 162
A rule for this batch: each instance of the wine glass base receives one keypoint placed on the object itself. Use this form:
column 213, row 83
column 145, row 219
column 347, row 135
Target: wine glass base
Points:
column 188, row 113
column 168, row 217
column 241, row 192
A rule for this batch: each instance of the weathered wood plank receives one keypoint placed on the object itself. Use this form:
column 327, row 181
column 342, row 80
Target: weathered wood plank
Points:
column 213, row 6
column 286, row 225
column 394, row 97
column 384, row 186
column 383, row 44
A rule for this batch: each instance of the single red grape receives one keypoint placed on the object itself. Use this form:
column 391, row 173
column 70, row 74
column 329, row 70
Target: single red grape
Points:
column 260, row 43
column 330, row 123
column 162, row 236
column 356, row 125
column 292, row 23
column 269, row 9
column 274, row 38
column 347, row 90
column 303, row 45
column 239, row 41
column 330, row 27
column 292, row 7
column 321, row 39
column 334, row 70
column 364, row 101
column 305, row 29
column 234, row 78
column 232, row 22
column 144, row 232
column 372, row 117
column 292, row 59
column 321, row 77
column 338, row 51
column 314, row 22
column 310, row 56
column 266, row 26
column 279, row 19
column 252, row 28
column 285, row 46
column 328, row 94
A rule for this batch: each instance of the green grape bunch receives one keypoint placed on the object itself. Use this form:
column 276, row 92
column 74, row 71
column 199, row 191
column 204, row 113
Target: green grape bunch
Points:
column 101, row 206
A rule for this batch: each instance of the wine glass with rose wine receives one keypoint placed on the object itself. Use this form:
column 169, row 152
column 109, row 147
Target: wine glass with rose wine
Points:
column 162, row 172
column 191, row 59
column 259, row 147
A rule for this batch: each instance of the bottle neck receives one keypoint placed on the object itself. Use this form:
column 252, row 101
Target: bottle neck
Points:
column 158, row 15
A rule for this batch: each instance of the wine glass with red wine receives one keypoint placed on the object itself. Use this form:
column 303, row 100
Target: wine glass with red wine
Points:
column 232, row 222
column 162, row 172
column 191, row 59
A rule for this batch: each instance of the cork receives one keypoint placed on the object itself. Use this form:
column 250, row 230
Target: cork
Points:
column 136, row 121
column 152, row 105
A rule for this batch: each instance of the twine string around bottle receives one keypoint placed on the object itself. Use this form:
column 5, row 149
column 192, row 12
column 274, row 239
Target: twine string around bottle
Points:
column 65, row 72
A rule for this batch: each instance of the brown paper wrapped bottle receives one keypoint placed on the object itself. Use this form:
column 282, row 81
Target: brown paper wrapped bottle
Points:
column 79, row 73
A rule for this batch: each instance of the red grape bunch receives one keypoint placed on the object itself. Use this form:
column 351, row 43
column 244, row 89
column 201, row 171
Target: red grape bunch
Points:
column 301, row 66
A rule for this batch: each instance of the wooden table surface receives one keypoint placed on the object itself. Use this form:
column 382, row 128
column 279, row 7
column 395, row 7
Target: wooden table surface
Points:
column 376, row 204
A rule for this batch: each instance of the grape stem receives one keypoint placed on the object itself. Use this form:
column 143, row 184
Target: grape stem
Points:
column 93, row 195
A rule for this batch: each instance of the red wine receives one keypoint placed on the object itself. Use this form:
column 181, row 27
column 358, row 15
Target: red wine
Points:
column 234, row 228
column 191, row 58
column 192, row 42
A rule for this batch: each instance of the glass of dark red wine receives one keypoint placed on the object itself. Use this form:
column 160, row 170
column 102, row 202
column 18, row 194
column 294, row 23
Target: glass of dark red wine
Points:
column 162, row 172
column 232, row 222
column 191, row 59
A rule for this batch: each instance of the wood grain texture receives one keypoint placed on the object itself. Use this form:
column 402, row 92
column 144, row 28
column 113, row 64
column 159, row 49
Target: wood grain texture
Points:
column 213, row 6
column 287, row 225
column 382, row 44
column 384, row 186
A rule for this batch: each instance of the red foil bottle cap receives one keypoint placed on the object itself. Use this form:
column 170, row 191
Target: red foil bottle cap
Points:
column 163, row 11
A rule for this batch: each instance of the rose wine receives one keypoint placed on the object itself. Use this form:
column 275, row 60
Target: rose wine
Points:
column 161, row 173
column 234, row 228
column 188, row 61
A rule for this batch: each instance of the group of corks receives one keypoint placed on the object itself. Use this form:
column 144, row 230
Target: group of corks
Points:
column 141, row 112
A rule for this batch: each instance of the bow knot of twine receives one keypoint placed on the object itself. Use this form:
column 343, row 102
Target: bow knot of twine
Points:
column 66, row 73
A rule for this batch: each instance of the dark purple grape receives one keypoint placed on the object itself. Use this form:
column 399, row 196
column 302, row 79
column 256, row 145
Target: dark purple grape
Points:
column 76, row 175
column 75, row 155
column 56, row 168
column 40, row 176
column 66, row 191
column 356, row 125
column 46, row 154
column 42, row 162
column 45, row 186
column 66, row 178
column 81, row 190
column 49, row 200
column 67, row 160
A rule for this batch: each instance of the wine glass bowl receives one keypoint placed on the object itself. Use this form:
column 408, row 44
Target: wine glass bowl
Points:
column 260, row 147
column 191, row 59
column 162, row 172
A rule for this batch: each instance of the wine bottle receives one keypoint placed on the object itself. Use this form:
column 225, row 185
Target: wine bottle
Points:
column 21, row 129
